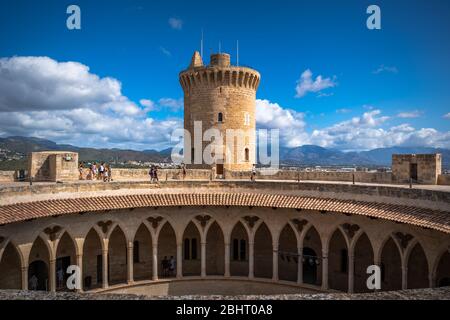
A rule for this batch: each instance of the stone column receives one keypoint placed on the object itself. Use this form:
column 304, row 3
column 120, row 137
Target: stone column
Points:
column 203, row 257
column 227, row 259
column 431, row 280
column 351, row 272
column 404, row 277
column 155, row 261
column 300, row 266
column 24, row 278
column 325, row 269
column 179, row 260
column 251, row 259
column 105, row 284
column 130, row 262
column 52, row 275
column 275, row 262
column 80, row 265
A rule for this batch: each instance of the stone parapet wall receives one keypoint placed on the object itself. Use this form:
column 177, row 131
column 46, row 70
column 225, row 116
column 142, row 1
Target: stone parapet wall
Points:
column 444, row 179
column 163, row 174
column 365, row 177
column 7, row 176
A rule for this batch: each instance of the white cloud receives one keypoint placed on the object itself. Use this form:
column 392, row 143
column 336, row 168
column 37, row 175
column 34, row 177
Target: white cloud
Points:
column 343, row 110
column 447, row 115
column 165, row 51
column 410, row 114
column 383, row 68
column 306, row 84
column 173, row 104
column 41, row 83
column 175, row 23
column 64, row 102
column 368, row 131
column 291, row 123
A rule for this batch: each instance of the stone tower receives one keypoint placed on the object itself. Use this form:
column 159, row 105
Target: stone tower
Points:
column 223, row 97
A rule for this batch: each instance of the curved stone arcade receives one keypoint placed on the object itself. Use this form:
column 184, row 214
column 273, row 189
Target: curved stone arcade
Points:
column 227, row 248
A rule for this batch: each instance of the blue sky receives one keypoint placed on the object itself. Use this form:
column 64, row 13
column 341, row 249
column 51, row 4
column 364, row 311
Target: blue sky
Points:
column 377, row 88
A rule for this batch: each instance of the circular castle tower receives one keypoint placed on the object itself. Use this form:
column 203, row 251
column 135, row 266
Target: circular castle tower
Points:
column 222, row 97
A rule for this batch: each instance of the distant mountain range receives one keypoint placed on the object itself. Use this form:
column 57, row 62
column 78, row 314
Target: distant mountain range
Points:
column 315, row 155
column 14, row 148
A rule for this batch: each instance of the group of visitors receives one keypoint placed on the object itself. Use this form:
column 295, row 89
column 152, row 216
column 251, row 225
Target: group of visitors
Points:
column 153, row 174
column 168, row 266
column 97, row 171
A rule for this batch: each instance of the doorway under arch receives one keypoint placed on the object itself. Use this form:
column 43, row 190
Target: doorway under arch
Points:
column 215, row 251
column 287, row 255
column 239, row 264
column 10, row 268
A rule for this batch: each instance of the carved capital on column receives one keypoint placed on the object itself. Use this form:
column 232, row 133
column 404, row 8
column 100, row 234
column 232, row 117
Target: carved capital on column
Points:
column 203, row 219
column 403, row 238
column 52, row 232
column 300, row 223
column 251, row 220
column 105, row 225
column 350, row 229
column 154, row 221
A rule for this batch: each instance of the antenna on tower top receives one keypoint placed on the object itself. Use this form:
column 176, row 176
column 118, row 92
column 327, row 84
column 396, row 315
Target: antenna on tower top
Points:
column 201, row 45
column 237, row 53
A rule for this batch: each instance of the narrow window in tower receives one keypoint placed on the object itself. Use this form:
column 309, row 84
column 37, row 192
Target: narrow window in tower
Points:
column 192, row 155
column 247, row 119
column 220, row 90
column 247, row 155
column 187, row 249
column 220, row 117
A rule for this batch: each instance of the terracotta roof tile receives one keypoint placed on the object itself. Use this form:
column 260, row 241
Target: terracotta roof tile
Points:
column 434, row 219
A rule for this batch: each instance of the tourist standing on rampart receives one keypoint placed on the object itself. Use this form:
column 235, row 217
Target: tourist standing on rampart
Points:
column 80, row 170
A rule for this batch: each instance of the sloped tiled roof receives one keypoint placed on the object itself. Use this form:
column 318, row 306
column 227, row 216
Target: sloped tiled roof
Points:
column 427, row 218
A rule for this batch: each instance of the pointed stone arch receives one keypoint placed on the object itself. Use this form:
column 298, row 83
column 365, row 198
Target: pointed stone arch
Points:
column 441, row 272
column 363, row 257
column 167, row 248
column 338, row 262
column 263, row 252
column 191, row 250
column 239, row 247
column 92, row 260
column 10, row 267
column 142, row 253
column 312, row 256
column 117, row 256
column 215, row 250
column 288, row 254
column 66, row 255
column 39, row 265
column 391, row 265
column 417, row 266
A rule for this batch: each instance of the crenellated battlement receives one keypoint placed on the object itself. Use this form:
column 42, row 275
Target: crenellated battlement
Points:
column 220, row 72
column 215, row 76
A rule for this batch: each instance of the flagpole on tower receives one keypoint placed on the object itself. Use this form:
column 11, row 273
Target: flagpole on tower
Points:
column 201, row 45
column 237, row 53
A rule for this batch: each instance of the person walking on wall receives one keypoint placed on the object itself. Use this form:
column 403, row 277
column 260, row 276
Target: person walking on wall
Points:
column 253, row 176
column 183, row 170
